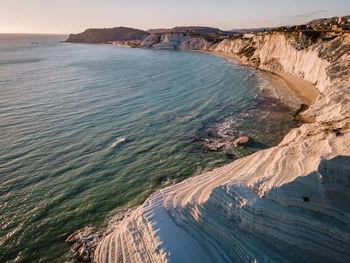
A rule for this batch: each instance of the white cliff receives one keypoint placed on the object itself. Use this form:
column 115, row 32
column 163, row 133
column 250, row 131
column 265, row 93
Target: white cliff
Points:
column 289, row 203
column 325, row 63
column 182, row 41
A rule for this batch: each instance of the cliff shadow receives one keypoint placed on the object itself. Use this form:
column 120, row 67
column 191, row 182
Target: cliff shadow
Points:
column 310, row 219
column 305, row 220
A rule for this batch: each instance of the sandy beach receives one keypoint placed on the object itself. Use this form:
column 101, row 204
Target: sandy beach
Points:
column 295, row 92
column 303, row 89
column 289, row 88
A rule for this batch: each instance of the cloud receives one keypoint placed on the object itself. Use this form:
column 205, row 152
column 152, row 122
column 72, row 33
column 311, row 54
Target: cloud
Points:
column 306, row 15
column 282, row 20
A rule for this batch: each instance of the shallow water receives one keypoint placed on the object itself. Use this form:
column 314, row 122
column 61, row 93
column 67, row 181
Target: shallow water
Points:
column 88, row 129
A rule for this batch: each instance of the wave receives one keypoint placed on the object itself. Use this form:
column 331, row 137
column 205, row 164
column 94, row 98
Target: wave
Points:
column 117, row 141
column 20, row 61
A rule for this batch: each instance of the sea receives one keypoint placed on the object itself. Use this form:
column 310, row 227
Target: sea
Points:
column 87, row 131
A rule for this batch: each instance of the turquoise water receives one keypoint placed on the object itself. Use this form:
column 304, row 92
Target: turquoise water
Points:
column 65, row 110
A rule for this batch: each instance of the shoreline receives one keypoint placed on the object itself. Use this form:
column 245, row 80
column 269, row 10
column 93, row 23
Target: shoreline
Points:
column 292, row 86
column 302, row 89
column 289, row 89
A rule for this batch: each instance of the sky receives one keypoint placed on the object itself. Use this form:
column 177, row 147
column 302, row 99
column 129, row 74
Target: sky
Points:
column 74, row 16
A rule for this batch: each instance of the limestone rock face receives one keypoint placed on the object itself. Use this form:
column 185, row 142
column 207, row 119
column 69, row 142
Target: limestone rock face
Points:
column 180, row 41
column 289, row 203
column 251, row 210
column 325, row 63
column 195, row 43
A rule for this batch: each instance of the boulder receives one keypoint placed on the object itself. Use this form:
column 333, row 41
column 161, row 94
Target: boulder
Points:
column 241, row 141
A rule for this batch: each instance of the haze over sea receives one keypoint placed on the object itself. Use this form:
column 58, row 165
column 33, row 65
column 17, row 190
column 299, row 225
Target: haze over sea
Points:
column 89, row 130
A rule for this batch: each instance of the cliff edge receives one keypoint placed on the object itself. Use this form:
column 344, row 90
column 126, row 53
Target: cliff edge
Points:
column 289, row 203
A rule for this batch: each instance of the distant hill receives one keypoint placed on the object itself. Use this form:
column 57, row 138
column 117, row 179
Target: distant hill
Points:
column 105, row 35
column 158, row 30
column 184, row 29
column 325, row 20
column 320, row 21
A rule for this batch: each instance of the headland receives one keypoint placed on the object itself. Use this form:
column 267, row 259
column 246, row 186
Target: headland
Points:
column 288, row 203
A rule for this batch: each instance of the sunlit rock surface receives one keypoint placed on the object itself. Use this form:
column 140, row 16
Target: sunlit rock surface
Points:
column 182, row 41
column 289, row 203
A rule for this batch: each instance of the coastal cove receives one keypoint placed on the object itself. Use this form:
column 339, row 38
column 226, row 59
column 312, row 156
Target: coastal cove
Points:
column 289, row 89
column 282, row 204
column 282, row 88
column 296, row 93
column 175, row 131
column 84, row 137
column 286, row 87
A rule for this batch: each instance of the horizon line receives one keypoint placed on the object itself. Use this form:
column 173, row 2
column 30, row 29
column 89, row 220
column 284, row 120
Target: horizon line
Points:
column 43, row 33
column 26, row 33
column 232, row 29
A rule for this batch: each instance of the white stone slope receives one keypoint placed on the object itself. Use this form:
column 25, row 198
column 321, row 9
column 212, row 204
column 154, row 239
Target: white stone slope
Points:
column 180, row 41
column 325, row 63
column 289, row 203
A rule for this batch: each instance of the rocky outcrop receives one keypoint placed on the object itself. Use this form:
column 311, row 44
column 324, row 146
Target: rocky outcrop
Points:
column 182, row 41
column 105, row 35
column 289, row 203
column 127, row 44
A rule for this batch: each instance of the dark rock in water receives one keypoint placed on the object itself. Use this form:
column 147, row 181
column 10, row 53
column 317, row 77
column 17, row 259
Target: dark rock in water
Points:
column 215, row 145
column 84, row 242
column 241, row 141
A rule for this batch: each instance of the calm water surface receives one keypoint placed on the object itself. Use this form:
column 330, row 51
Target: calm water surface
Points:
column 65, row 110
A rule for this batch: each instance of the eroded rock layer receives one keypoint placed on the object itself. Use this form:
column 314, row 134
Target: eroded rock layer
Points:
column 289, row 203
